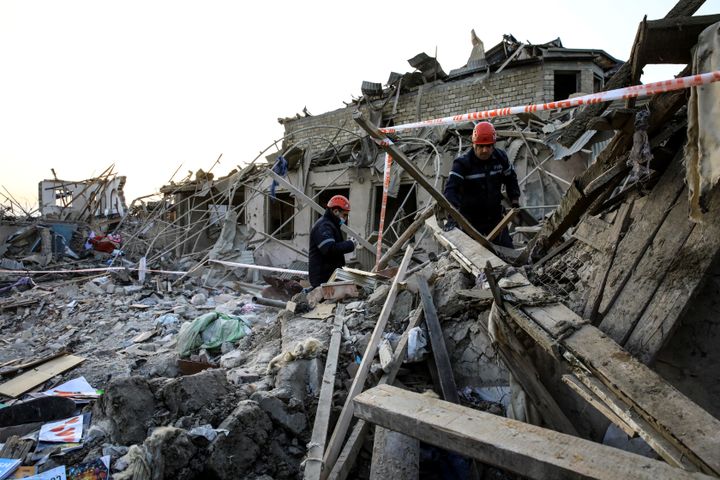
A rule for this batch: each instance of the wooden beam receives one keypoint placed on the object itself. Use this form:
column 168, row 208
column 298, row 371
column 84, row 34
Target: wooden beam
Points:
column 343, row 423
column 313, row 462
column 695, row 432
column 521, row 448
column 597, row 288
column 578, row 387
column 690, row 428
column 315, row 206
column 400, row 157
column 439, row 350
column 678, row 288
column 666, row 449
column 503, row 223
column 394, row 456
column 405, row 237
column 352, row 447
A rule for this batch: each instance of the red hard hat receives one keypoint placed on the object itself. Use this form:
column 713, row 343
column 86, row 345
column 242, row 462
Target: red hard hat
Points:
column 339, row 201
column 484, row 134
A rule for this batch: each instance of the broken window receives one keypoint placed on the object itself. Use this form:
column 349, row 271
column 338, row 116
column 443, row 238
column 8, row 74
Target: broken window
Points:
column 238, row 203
column 566, row 83
column 279, row 212
column 402, row 209
column 325, row 197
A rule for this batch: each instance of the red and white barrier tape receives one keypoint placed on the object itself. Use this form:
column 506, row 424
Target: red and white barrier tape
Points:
column 634, row 91
column 386, row 187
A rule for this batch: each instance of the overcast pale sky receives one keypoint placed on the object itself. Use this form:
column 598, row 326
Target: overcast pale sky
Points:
column 150, row 85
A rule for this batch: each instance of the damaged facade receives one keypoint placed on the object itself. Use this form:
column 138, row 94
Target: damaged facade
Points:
column 585, row 352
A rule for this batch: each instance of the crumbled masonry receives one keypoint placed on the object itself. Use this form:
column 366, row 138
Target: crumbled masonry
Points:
column 586, row 351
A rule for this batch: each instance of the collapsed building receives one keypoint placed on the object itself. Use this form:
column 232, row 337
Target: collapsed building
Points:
column 586, row 352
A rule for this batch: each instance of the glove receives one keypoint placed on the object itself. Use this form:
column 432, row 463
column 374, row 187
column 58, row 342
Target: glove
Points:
column 354, row 241
column 515, row 203
column 450, row 224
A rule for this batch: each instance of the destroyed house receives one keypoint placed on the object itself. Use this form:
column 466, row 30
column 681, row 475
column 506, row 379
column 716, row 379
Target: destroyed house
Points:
column 326, row 155
column 588, row 351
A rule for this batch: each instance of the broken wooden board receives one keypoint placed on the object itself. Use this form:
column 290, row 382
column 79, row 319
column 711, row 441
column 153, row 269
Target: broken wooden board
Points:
column 673, row 415
column 622, row 316
column 39, row 375
column 677, row 289
column 321, row 311
column 645, row 223
column 462, row 247
column 352, row 447
column 313, row 462
column 527, row 450
column 343, row 422
column 593, row 232
column 679, row 419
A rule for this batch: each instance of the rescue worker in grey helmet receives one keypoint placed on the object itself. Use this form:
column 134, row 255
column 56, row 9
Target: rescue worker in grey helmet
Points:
column 327, row 246
column 474, row 185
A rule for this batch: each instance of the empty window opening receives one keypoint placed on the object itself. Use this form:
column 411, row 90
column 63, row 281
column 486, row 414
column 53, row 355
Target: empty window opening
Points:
column 280, row 211
column 566, row 83
column 402, row 209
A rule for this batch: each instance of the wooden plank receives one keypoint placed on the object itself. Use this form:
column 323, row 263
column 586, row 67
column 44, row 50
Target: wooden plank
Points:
column 313, row 462
column 666, row 449
column 598, row 287
column 458, row 241
column 521, row 448
column 405, row 237
column 622, row 316
column 578, row 387
column 439, row 350
column 343, row 423
column 593, row 232
column 420, row 178
column 682, row 282
column 503, row 223
column 646, row 223
column 38, row 375
column 314, row 205
column 518, row 362
column 672, row 414
column 354, row 443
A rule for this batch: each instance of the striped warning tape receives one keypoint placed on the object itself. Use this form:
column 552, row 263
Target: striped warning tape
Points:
column 635, row 91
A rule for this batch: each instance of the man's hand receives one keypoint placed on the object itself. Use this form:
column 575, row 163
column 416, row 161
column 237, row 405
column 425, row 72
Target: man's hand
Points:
column 515, row 203
column 354, row 241
column 450, row 224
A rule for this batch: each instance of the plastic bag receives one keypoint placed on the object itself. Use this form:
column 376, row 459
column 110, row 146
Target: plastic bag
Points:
column 210, row 331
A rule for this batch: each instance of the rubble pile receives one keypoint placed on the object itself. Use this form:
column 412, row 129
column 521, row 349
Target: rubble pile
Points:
column 179, row 337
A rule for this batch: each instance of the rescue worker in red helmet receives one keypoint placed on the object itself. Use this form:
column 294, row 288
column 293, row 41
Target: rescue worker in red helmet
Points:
column 474, row 185
column 327, row 246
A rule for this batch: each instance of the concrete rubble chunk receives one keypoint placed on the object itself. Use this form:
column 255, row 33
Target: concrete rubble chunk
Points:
column 278, row 411
column 125, row 409
column 232, row 456
column 188, row 394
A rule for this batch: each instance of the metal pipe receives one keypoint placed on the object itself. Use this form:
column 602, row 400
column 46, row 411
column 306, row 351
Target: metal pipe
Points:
column 269, row 302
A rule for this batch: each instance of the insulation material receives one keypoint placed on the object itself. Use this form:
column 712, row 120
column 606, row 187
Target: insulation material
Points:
column 702, row 152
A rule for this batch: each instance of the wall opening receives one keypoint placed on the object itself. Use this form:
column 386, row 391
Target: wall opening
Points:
column 566, row 83
column 325, row 197
column 598, row 83
column 279, row 212
column 405, row 202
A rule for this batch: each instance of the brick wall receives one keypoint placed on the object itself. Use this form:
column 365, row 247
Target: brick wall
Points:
column 517, row 86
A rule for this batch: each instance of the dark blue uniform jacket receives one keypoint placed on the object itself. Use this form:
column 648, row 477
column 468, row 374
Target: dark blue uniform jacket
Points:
column 474, row 187
column 327, row 248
